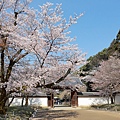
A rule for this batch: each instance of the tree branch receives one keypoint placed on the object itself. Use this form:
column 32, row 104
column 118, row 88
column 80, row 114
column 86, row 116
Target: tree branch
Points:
column 11, row 64
column 17, row 53
column 21, row 56
column 58, row 81
column 2, row 6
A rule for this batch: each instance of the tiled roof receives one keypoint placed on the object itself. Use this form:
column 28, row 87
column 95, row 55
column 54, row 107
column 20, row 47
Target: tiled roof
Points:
column 89, row 94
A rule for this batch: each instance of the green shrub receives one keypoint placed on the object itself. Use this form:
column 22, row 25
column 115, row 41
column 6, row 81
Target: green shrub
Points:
column 111, row 107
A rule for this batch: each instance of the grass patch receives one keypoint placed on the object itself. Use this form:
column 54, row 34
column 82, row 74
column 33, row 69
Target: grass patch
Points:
column 111, row 107
column 21, row 111
column 18, row 113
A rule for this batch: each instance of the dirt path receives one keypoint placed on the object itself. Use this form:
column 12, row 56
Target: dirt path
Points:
column 76, row 114
column 95, row 115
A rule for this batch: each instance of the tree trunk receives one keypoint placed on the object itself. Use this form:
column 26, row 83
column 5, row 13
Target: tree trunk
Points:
column 3, row 109
column 3, row 99
column 3, row 95
column 22, row 101
column 112, row 99
column 26, row 101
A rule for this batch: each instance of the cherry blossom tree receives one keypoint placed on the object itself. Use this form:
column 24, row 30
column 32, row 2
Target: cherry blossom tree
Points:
column 35, row 47
column 107, row 77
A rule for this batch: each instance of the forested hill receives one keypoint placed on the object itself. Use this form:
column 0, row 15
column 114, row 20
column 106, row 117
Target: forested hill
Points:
column 112, row 50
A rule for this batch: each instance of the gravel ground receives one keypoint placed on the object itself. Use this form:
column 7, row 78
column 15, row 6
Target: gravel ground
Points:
column 75, row 114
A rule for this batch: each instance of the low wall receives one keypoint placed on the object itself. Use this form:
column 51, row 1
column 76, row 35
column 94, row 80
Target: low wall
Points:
column 88, row 101
column 82, row 101
column 31, row 101
column 117, row 99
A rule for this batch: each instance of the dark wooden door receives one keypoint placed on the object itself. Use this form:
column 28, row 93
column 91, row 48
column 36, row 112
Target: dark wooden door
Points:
column 74, row 99
column 51, row 100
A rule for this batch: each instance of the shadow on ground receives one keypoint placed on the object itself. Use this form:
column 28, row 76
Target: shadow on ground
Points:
column 55, row 114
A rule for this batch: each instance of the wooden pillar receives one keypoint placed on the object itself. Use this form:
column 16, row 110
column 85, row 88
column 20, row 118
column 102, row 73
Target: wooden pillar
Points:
column 74, row 99
column 51, row 100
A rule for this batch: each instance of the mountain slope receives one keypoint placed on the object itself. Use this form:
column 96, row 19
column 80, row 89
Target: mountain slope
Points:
column 112, row 50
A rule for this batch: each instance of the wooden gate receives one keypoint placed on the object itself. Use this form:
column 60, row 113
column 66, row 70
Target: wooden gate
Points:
column 51, row 100
column 74, row 99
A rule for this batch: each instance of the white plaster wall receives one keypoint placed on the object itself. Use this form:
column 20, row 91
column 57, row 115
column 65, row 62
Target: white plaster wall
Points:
column 38, row 101
column 16, row 101
column 31, row 101
column 117, row 99
column 88, row 101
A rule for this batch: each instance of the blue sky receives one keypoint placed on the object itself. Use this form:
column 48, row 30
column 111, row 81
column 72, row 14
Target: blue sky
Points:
column 99, row 25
